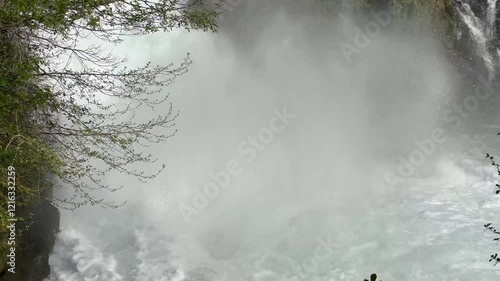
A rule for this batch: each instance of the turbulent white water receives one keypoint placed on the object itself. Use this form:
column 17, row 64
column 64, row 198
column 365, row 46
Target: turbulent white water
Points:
column 313, row 204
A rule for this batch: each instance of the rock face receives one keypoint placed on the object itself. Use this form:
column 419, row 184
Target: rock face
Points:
column 36, row 243
column 478, row 7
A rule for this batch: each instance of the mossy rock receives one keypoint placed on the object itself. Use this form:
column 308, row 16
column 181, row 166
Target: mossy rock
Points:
column 35, row 242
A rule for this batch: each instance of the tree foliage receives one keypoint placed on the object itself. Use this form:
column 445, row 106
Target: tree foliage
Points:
column 67, row 111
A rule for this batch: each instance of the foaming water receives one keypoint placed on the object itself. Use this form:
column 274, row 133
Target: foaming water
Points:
column 313, row 203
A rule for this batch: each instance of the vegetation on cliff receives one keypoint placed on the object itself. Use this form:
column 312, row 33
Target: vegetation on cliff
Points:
column 55, row 129
column 436, row 18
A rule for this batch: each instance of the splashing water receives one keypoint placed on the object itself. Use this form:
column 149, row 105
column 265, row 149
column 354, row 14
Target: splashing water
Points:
column 313, row 204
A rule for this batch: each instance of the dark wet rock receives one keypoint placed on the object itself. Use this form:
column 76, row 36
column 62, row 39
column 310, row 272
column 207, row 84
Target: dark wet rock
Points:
column 479, row 7
column 37, row 242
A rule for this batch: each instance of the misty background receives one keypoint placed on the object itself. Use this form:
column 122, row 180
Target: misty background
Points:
column 322, row 177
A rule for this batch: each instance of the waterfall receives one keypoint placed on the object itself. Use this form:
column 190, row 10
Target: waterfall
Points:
column 492, row 8
column 479, row 30
column 339, row 169
column 492, row 14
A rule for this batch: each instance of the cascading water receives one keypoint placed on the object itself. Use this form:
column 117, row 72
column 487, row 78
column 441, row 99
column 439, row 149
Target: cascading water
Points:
column 482, row 31
column 492, row 13
column 313, row 202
